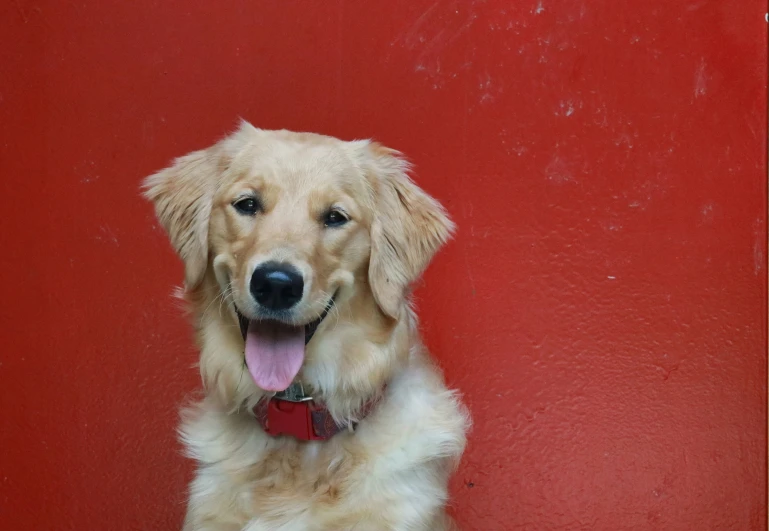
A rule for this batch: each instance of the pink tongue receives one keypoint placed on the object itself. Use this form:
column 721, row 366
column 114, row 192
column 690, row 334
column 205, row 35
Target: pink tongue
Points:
column 274, row 353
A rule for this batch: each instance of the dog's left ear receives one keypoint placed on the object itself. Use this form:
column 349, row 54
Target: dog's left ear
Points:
column 183, row 195
column 408, row 228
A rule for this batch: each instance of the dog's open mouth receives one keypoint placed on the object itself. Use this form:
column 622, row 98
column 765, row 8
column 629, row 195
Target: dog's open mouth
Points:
column 275, row 350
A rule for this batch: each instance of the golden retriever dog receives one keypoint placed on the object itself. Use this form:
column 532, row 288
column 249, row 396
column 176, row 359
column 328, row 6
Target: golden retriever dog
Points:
column 322, row 409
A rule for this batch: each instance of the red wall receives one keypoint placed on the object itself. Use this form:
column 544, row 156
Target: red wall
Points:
column 602, row 307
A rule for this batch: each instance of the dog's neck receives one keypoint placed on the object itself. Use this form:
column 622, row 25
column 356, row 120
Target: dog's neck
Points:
column 352, row 356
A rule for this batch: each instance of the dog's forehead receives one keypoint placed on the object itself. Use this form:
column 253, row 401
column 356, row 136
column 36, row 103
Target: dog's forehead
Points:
column 297, row 159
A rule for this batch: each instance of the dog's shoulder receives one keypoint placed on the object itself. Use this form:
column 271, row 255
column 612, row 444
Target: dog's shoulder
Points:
column 421, row 418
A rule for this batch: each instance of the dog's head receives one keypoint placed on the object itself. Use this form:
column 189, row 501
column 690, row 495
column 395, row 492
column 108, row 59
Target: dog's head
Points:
column 287, row 227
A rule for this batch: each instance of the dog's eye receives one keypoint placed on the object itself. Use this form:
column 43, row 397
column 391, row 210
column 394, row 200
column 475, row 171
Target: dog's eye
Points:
column 248, row 206
column 334, row 218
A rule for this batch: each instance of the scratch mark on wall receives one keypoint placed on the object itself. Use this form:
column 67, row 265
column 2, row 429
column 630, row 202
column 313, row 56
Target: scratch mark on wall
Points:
column 666, row 373
column 749, row 123
column 469, row 271
column 430, row 35
column 24, row 16
column 411, row 34
column 758, row 247
column 700, row 80
column 107, row 235
column 558, row 171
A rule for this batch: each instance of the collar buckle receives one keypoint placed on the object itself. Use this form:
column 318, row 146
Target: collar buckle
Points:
column 294, row 393
column 291, row 418
column 292, row 412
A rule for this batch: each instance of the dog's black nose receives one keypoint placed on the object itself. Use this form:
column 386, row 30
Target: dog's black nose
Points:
column 277, row 286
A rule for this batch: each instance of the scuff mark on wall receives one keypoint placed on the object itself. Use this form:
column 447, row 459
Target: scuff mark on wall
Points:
column 567, row 107
column 707, row 213
column 431, row 35
column 106, row 235
column 759, row 238
column 700, row 80
column 558, row 171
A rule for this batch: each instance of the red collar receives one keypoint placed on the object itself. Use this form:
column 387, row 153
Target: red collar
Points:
column 293, row 413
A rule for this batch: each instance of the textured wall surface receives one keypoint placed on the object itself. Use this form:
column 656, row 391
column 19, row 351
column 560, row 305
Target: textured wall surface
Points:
column 602, row 307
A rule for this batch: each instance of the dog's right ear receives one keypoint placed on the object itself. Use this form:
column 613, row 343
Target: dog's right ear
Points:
column 183, row 195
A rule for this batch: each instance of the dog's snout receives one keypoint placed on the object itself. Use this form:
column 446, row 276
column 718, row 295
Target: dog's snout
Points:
column 277, row 286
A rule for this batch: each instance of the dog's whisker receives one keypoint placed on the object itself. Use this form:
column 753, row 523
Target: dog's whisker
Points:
column 333, row 310
column 228, row 297
column 213, row 301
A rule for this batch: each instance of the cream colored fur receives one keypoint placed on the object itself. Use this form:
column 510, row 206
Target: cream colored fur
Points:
column 391, row 472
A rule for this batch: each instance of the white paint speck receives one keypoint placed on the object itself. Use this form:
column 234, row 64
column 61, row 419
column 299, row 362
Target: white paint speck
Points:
column 540, row 8
column 611, row 277
column 565, row 108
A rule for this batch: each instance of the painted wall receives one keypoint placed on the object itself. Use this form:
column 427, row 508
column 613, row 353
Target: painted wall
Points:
column 603, row 307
